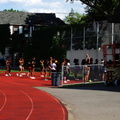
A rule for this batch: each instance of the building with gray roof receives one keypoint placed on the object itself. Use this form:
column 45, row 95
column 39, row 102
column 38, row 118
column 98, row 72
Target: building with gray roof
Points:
column 19, row 20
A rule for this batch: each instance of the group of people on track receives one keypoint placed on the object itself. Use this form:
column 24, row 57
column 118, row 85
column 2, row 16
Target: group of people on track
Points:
column 46, row 67
column 52, row 65
column 31, row 68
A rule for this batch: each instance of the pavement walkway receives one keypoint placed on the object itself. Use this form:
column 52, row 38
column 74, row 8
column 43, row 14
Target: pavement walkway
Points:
column 88, row 101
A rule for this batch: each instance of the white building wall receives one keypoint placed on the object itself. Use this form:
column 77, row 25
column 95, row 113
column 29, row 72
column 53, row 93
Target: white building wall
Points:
column 11, row 29
column 80, row 54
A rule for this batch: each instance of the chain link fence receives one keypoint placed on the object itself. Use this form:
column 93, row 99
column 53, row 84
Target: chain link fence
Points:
column 77, row 74
column 93, row 35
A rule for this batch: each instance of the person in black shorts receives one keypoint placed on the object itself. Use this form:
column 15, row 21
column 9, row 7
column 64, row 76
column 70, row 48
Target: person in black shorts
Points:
column 21, row 67
column 32, row 70
column 29, row 69
column 8, row 67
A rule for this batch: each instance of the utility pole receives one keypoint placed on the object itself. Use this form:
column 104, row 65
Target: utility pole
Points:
column 97, row 24
column 71, row 15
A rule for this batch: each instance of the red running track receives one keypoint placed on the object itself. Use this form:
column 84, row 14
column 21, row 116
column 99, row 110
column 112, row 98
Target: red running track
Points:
column 19, row 100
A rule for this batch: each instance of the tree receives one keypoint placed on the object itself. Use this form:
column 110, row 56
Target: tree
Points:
column 12, row 10
column 46, row 42
column 74, row 31
column 102, row 8
column 74, row 18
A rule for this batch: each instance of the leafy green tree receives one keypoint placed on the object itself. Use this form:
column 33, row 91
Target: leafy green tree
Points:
column 75, row 18
column 74, row 31
column 46, row 42
column 101, row 8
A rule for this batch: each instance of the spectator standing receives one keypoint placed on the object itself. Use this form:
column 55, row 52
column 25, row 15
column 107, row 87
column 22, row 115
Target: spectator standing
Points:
column 50, row 64
column 83, row 62
column 96, row 70
column 46, row 69
column 68, row 69
column 87, row 68
column 91, row 76
column 102, row 70
column 87, row 59
column 64, row 64
column 76, row 68
column 41, row 68
column 86, row 73
column 96, row 61
column 51, row 59
column 53, row 66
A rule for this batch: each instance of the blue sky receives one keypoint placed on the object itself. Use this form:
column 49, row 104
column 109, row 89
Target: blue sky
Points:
column 60, row 7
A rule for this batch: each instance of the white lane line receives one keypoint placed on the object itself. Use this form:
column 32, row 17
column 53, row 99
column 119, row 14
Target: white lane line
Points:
column 58, row 103
column 31, row 104
column 4, row 101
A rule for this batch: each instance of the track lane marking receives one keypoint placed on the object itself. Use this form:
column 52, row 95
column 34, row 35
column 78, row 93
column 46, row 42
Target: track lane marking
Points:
column 58, row 103
column 32, row 104
column 4, row 100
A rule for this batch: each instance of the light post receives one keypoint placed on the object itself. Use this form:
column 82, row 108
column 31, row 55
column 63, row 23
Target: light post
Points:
column 112, row 33
column 84, row 38
column 71, row 37
column 71, row 16
column 97, row 24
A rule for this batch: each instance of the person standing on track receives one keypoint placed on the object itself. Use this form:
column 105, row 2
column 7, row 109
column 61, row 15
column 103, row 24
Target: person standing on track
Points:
column 33, row 64
column 29, row 69
column 41, row 68
column 46, row 69
column 21, row 67
column 8, row 67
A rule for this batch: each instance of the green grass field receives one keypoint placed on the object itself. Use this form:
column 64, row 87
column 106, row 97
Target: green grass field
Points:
column 13, row 70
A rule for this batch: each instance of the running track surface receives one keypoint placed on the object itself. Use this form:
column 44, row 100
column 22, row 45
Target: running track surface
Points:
column 19, row 100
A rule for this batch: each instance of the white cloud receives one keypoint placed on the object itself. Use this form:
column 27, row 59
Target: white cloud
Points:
column 40, row 10
column 7, row 1
column 24, row 2
column 33, row 3
column 37, row 3
column 60, row 7
column 15, row 0
column 3, row 1
column 55, row 4
column 59, row 12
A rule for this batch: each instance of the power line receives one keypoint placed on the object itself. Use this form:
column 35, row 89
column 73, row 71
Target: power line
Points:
column 62, row 13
